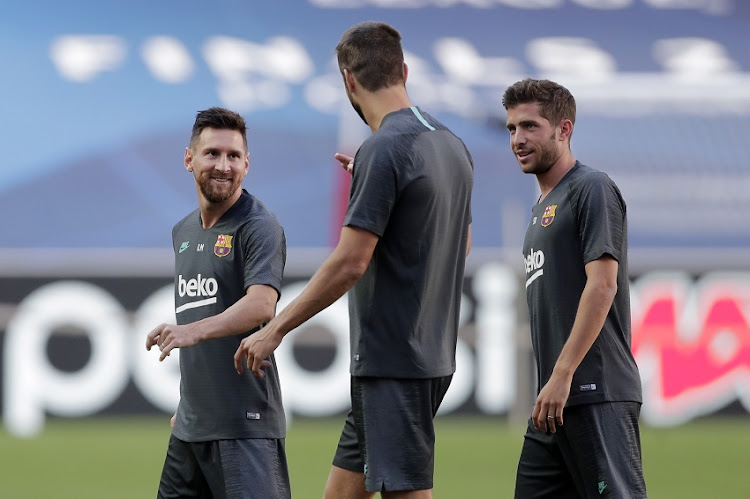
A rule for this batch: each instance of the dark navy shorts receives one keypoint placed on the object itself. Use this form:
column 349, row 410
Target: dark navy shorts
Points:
column 389, row 434
column 252, row 468
column 596, row 454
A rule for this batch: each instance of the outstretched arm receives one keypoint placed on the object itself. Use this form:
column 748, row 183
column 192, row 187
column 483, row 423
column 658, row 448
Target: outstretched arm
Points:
column 256, row 307
column 596, row 300
column 341, row 270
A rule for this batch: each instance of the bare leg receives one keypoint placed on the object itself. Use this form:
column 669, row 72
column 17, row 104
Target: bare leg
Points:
column 345, row 484
column 409, row 494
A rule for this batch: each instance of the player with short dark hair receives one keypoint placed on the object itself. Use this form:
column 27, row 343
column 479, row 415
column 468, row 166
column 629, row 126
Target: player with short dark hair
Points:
column 575, row 256
column 402, row 250
column 373, row 52
column 219, row 119
column 228, row 432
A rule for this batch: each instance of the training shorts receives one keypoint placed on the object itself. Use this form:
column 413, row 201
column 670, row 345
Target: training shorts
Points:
column 595, row 454
column 389, row 434
column 251, row 468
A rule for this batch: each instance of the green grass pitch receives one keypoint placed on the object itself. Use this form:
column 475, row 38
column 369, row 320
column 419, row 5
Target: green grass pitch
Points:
column 476, row 458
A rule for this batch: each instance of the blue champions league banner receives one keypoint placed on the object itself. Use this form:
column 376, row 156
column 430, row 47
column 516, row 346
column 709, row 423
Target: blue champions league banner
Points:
column 98, row 100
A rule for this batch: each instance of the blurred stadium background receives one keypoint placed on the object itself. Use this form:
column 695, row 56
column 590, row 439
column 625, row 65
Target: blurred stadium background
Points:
column 98, row 101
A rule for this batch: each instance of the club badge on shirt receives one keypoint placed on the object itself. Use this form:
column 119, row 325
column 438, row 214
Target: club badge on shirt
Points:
column 549, row 215
column 223, row 245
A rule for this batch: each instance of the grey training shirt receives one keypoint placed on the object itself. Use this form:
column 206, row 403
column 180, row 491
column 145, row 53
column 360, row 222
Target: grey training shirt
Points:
column 411, row 186
column 213, row 269
column 582, row 219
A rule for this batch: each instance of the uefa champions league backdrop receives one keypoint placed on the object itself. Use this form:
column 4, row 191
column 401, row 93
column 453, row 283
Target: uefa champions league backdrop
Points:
column 98, row 99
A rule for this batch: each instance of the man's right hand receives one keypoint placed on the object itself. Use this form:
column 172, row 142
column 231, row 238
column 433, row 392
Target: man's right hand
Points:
column 347, row 162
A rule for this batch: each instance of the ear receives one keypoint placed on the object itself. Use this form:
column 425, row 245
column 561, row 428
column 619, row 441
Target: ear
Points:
column 188, row 159
column 406, row 72
column 247, row 162
column 566, row 129
column 349, row 81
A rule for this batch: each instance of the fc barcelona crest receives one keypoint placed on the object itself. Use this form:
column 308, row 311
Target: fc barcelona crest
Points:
column 549, row 215
column 223, row 245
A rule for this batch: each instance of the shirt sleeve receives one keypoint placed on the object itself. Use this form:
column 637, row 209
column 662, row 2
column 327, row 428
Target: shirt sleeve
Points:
column 174, row 238
column 471, row 162
column 264, row 247
column 600, row 209
column 374, row 188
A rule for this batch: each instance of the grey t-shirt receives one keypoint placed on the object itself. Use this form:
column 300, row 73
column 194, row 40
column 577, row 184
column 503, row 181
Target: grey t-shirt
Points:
column 582, row 219
column 411, row 186
column 213, row 269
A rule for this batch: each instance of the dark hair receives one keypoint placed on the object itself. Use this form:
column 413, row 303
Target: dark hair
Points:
column 372, row 52
column 556, row 103
column 220, row 119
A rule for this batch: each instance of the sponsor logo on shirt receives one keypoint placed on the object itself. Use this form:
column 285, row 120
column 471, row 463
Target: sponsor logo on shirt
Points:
column 199, row 287
column 223, row 245
column 534, row 262
column 588, row 388
column 185, row 245
column 549, row 215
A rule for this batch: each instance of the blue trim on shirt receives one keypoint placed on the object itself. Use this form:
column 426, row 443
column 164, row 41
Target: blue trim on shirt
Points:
column 421, row 118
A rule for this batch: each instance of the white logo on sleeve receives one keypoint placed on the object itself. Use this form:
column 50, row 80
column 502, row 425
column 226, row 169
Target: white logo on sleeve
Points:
column 198, row 287
column 534, row 262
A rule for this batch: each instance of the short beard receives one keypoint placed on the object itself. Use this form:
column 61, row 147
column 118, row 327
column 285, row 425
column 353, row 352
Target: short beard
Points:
column 548, row 156
column 214, row 195
column 357, row 108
